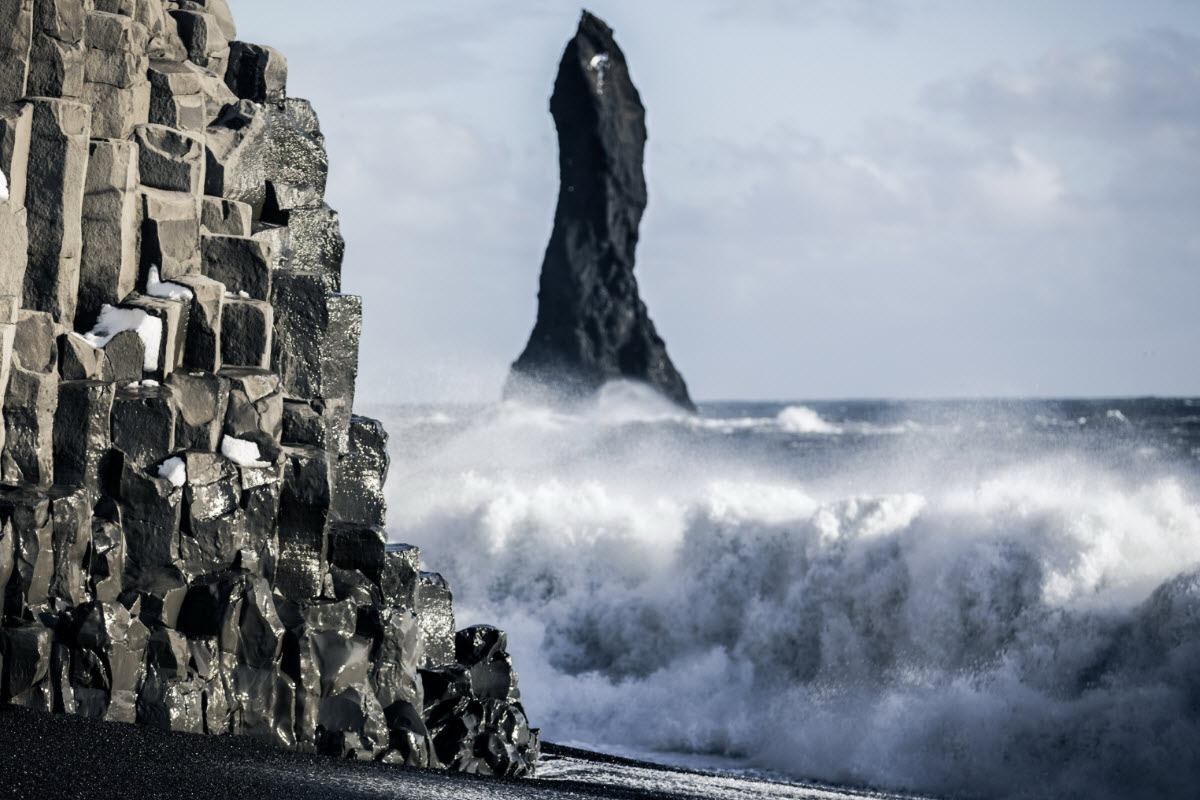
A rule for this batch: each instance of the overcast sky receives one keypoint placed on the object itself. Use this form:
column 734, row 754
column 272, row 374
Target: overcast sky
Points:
column 866, row 198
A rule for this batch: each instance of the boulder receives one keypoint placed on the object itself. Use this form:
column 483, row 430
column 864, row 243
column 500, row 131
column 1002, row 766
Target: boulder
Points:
column 482, row 649
column 35, row 342
column 126, row 355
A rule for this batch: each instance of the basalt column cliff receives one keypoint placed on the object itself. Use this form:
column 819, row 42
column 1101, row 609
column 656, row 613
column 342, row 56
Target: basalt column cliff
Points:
column 591, row 325
column 191, row 516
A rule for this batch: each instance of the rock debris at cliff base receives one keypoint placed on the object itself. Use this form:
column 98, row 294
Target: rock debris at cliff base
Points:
column 592, row 327
column 191, row 515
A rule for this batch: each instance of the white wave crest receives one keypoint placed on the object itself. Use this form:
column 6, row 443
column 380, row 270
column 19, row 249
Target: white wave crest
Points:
column 1028, row 629
column 801, row 419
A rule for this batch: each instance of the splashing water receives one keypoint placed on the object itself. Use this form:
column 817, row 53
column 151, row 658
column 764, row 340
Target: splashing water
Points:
column 968, row 599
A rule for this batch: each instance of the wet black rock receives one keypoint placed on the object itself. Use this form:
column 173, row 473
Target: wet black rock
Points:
column 592, row 326
column 192, row 517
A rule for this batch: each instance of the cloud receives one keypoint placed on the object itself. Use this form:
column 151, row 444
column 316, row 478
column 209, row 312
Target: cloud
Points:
column 1022, row 187
column 872, row 15
column 1143, row 88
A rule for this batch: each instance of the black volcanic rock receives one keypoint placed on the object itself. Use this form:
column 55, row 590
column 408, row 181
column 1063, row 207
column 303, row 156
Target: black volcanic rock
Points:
column 591, row 325
column 191, row 515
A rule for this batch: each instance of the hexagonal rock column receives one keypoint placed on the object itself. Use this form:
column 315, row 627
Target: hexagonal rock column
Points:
column 16, row 37
column 58, row 159
column 170, row 232
column 303, row 514
column 16, row 128
column 247, row 327
column 241, row 263
column 56, row 67
column 31, row 402
column 236, row 146
column 361, row 472
column 202, row 399
column 204, row 39
column 110, row 228
column 82, row 433
column 115, row 83
column 175, row 97
column 256, row 72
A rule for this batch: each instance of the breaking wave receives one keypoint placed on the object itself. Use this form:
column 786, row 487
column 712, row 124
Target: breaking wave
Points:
column 921, row 616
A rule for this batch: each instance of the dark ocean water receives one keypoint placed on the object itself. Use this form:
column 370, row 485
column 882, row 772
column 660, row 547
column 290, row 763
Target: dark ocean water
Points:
column 965, row 598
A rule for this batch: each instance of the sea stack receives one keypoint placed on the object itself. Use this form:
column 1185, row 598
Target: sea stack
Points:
column 592, row 326
column 191, row 515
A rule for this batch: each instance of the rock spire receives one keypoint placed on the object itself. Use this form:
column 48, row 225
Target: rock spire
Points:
column 591, row 324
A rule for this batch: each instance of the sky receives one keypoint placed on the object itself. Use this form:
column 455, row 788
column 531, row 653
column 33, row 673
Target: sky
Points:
column 865, row 198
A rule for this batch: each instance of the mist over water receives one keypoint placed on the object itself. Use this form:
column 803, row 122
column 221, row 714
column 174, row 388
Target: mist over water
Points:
column 970, row 599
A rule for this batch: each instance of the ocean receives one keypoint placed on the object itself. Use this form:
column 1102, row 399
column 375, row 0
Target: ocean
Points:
column 984, row 598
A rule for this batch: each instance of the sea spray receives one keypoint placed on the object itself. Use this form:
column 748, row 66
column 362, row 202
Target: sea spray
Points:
column 963, row 599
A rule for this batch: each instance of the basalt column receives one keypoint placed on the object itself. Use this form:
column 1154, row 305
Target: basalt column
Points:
column 191, row 514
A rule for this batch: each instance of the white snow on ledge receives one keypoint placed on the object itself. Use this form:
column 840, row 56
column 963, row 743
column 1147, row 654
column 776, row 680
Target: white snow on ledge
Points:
column 161, row 288
column 242, row 452
column 115, row 320
column 3, row 186
column 175, row 470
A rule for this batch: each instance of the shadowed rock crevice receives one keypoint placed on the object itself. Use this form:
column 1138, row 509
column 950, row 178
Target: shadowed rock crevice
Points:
column 592, row 326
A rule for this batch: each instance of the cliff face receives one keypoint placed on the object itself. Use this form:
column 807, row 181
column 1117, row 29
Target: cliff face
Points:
column 191, row 516
column 591, row 325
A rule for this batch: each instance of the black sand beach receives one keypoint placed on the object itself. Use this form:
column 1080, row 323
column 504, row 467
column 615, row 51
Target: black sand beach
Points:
column 66, row 756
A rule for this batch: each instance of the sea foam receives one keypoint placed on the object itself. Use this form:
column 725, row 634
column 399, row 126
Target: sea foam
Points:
column 945, row 621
